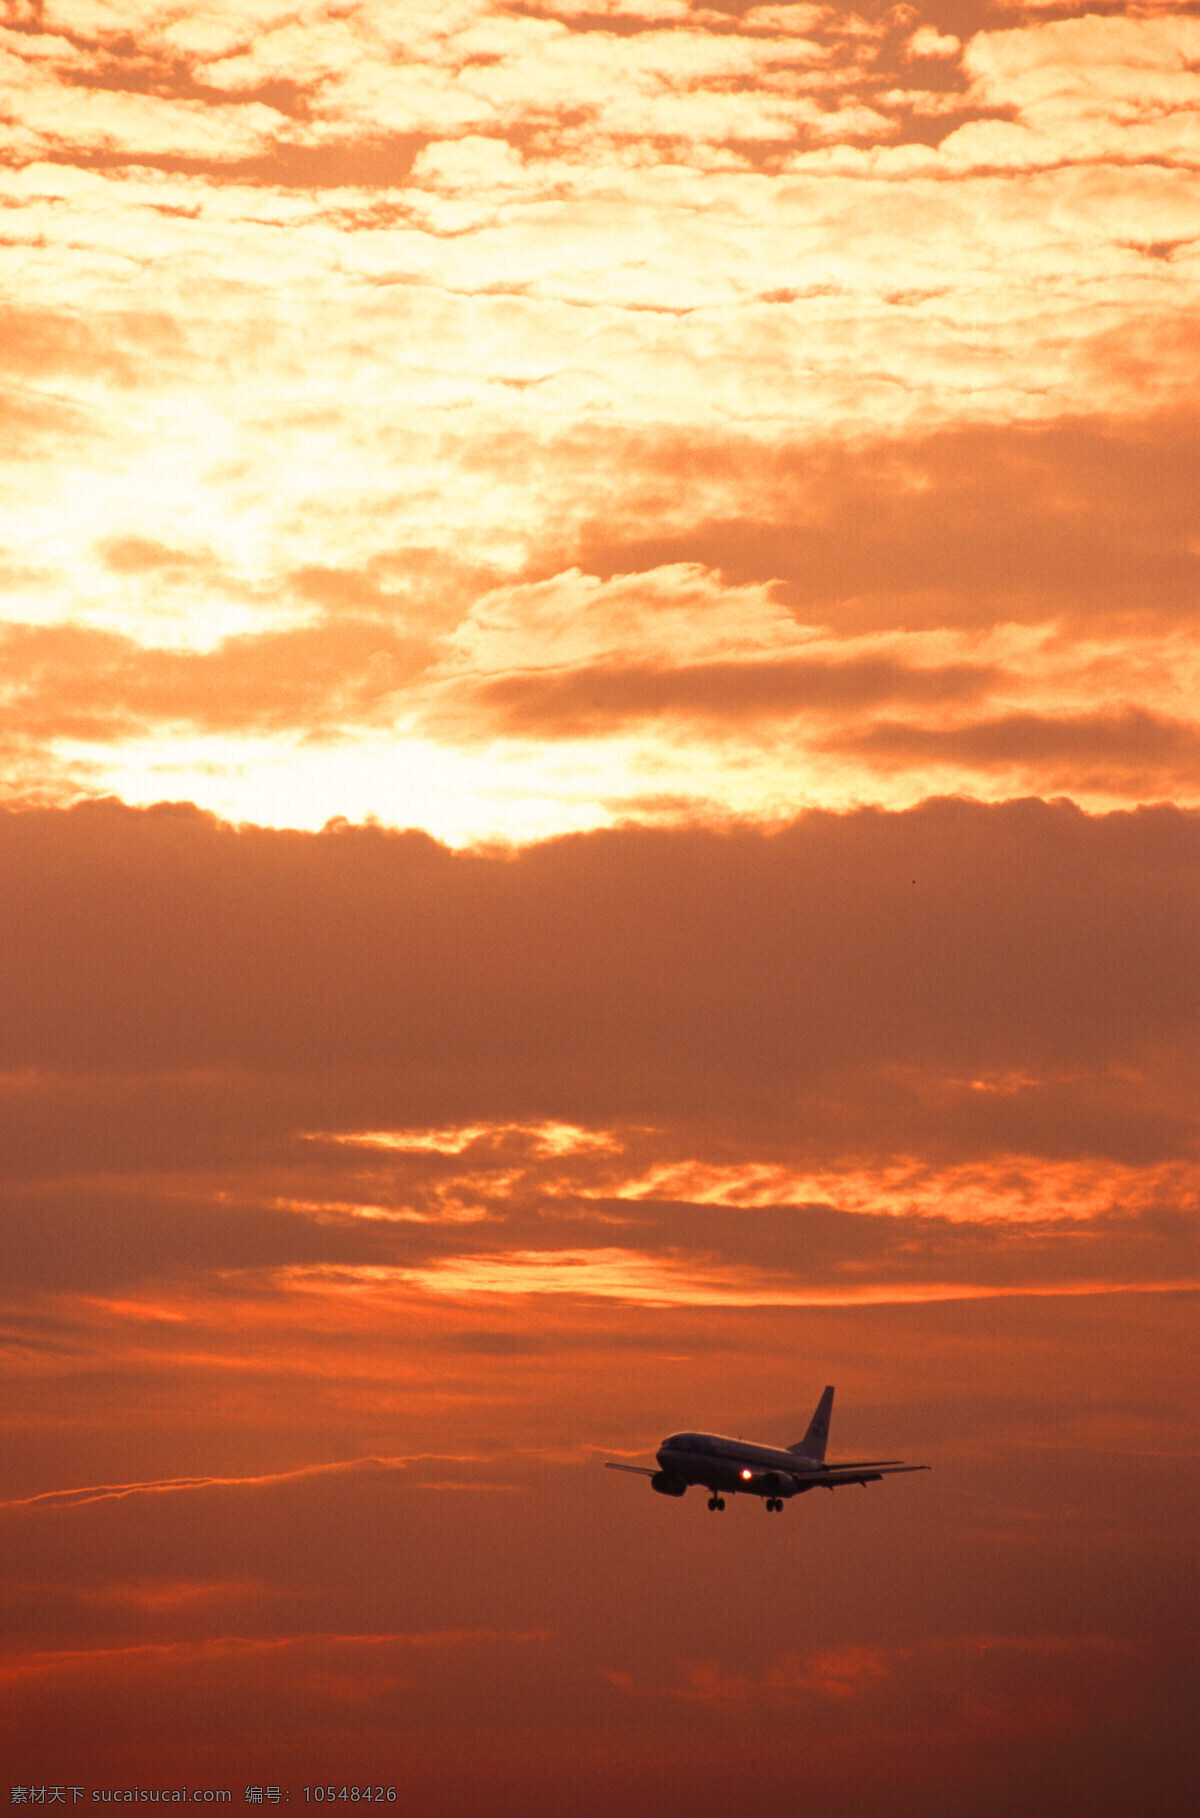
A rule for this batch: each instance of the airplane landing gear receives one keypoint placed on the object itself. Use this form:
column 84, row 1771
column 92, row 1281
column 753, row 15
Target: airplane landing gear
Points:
column 716, row 1502
column 774, row 1504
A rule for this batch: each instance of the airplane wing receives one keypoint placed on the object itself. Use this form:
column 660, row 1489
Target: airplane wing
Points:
column 862, row 1464
column 638, row 1470
column 838, row 1475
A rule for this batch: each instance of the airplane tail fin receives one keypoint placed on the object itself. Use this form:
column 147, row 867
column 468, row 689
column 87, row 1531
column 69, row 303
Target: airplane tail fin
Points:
column 815, row 1440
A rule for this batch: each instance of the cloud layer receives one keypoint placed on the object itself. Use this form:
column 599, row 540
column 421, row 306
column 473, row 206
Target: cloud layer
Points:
column 338, row 339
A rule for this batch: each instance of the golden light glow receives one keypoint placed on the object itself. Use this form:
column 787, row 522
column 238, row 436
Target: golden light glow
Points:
column 629, row 1276
column 537, row 1139
column 507, row 1159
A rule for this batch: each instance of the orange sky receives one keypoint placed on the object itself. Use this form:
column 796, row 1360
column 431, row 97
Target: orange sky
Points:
column 600, row 826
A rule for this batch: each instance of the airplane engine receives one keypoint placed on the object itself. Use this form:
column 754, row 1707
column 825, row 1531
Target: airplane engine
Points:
column 775, row 1485
column 666, row 1485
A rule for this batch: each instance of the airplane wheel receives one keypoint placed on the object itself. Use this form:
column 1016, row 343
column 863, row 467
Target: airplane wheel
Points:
column 713, row 1504
column 720, row 1502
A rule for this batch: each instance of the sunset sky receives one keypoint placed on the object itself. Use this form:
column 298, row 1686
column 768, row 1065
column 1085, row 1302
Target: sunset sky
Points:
column 599, row 827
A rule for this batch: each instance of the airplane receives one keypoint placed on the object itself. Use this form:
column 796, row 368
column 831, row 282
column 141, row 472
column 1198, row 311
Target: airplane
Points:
column 739, row 1468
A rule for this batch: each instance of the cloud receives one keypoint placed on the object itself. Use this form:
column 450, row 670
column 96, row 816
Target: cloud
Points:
column 789, row 1679
column 73, row 682
column 927, row 41
column 77, row 1498
column 591, row 701
column 956, row 937
column 489, row 295
column 325, row 1229
column 876, row 600
column 1123, row 752
column 269, row 1095
column 137, row 555
column 1078, row 521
